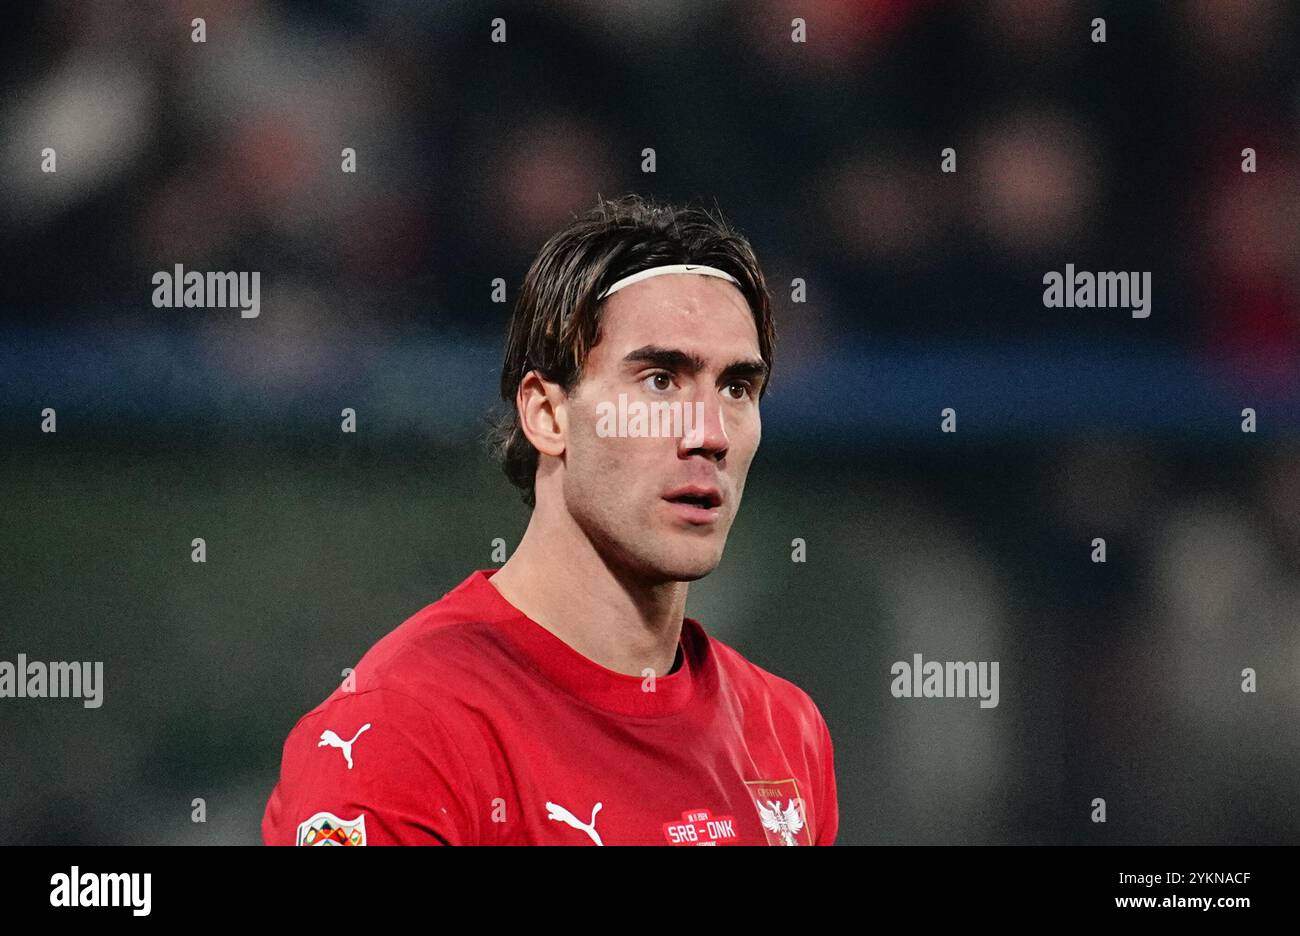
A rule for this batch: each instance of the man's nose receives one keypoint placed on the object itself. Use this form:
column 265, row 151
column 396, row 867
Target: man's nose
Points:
column 707, row 432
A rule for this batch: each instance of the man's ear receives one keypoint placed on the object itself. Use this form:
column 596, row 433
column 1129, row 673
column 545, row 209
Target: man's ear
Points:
column 543, row 418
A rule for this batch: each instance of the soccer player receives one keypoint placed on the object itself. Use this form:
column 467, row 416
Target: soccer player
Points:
column 564, row 698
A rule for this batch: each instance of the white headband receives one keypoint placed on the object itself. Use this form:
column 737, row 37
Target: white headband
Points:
column 661, row 270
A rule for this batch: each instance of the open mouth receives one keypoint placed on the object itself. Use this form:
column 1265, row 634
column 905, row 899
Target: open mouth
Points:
column 703, row 499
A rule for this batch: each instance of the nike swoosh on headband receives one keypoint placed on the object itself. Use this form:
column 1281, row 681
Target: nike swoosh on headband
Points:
column 669, row 268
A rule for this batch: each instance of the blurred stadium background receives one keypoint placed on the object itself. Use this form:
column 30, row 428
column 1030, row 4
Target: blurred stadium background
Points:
column 924, row 291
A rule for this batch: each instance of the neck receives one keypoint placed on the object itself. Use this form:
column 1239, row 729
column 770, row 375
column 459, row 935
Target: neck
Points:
column 558, row 579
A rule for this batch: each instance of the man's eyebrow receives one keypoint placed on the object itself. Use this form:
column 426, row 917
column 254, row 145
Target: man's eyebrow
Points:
column 667, row 358
column 677, row 361
column 751, row 369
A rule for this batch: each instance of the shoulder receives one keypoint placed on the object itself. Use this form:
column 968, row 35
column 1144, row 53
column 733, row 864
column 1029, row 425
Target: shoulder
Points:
column 759, row 688
column 396, row 742
column 796, row 721
column 380, row 763
column 447, row 651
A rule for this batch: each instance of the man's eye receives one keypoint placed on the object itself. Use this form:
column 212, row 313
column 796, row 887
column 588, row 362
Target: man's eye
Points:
column 739, row 385
column 652, row 381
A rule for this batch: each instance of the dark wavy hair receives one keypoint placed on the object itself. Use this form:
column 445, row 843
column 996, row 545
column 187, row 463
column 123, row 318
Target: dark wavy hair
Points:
column 556, row 319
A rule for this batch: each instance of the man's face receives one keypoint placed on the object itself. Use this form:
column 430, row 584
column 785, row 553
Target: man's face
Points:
column 660, row 506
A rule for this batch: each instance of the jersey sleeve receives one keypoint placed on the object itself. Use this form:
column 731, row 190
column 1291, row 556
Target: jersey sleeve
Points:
column 829, row 808
column 371, row 768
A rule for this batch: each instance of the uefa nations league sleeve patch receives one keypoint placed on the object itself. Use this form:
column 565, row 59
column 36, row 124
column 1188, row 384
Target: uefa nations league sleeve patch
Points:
column 325, row 828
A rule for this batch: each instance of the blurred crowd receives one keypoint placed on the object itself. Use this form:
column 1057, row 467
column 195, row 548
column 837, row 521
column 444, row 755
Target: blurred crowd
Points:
column 1122, row 155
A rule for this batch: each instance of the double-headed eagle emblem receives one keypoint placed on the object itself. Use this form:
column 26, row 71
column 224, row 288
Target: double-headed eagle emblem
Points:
column 786, row 823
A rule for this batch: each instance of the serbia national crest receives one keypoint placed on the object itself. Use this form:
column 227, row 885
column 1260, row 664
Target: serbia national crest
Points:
column 781, row 811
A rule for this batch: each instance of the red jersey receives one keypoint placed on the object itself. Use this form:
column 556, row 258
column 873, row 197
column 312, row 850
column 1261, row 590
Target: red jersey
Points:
column 471, row 724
